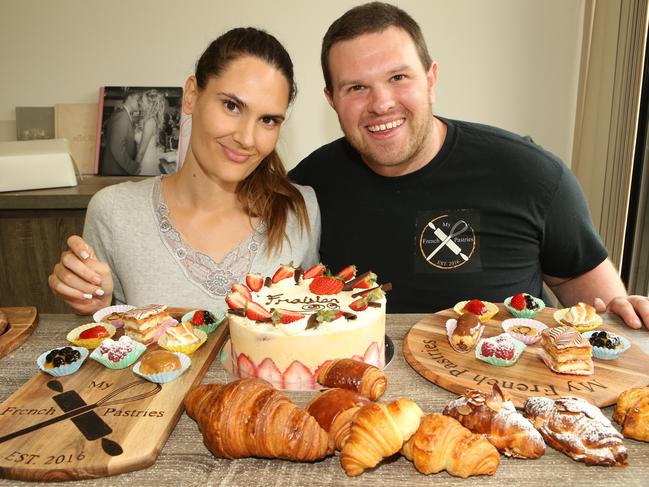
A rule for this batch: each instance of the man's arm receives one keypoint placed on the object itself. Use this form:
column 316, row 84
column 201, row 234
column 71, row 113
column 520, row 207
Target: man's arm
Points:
column 602, row 287
column 117, row 145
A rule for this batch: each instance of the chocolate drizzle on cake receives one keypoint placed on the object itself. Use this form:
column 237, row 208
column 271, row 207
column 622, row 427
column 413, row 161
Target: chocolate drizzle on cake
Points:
column 313, row 322
column 349, row 285
column 297, row 275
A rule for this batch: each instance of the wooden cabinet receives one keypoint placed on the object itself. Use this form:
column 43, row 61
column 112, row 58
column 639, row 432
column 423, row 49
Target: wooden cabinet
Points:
column 34, row 227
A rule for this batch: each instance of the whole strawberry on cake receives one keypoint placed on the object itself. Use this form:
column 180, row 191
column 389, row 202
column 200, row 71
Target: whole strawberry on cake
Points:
column 285, row 327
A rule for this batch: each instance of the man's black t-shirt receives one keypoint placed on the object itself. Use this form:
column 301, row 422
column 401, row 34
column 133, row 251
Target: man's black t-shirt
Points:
column 485, row 219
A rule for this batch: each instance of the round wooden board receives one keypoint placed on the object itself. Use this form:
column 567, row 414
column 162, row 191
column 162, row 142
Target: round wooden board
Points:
column 21, row 324
column 427, row 349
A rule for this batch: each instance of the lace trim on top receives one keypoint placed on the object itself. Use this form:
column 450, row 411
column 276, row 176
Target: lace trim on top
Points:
column 215, row 278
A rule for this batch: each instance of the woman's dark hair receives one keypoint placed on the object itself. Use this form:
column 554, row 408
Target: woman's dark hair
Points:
column 266, row 193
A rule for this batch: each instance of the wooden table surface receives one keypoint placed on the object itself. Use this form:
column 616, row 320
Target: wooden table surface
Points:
column 185, row 461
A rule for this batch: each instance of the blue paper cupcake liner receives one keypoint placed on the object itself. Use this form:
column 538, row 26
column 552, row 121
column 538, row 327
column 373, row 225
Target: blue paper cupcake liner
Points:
column 607, row 353
column 63, row 369
column 164, row 377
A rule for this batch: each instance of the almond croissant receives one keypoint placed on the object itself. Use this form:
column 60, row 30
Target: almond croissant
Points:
column 632, row 413
column 354, row 375
column 378, row 431
column 495, row 416
column 577, row 428
column 334, row 410
column 249, row 418
column 442, row 443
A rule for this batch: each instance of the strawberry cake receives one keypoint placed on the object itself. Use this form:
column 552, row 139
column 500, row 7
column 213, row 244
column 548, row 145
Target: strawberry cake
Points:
column 285, row 327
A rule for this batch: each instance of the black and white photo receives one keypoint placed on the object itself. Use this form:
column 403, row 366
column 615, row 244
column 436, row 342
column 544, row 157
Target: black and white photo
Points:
column 138, row 130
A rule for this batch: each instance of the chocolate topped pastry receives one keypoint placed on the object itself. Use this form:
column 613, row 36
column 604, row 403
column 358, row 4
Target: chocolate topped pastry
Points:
column 566, row 351
column 466, row 334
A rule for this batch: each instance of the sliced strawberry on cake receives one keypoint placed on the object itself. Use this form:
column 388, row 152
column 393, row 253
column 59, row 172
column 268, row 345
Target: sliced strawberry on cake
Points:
column 236, row 300
column 363, row 302
column 284, row 272
column 317, row 270
column 298, row 376
column 241, row 289
column 325, row 285
column 347, row 273
column 255, row 281
column 256, row 312
column 267, row 370
column 285, row 316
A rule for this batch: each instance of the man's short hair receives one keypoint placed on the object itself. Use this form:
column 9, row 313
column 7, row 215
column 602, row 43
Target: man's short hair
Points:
column 371, row 18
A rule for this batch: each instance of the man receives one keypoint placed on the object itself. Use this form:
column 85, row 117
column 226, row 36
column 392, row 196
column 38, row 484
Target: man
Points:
column 120, row 150
column 445, row 210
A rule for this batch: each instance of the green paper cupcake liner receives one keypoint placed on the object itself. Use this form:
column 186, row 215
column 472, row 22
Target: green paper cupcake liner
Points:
column 499, row 362
column 126, row 361
column 524, row 313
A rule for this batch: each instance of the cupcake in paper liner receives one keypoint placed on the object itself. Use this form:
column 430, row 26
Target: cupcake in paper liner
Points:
column 182, row 338
column 482, row 309
column 162, row 366
column 112, row 314
column 91, row 335
column 206, row 320
column 502, row 350
column 523, row 305
column 606, row 345
column 118, row 354
column 62, row 361
column 525, row 330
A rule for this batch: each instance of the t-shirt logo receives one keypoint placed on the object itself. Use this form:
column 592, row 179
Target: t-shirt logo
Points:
column 447, row 241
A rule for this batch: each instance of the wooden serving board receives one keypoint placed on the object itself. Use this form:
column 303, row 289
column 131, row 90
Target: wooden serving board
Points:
column 427, row 350
column 22, row 323
column 108, row 429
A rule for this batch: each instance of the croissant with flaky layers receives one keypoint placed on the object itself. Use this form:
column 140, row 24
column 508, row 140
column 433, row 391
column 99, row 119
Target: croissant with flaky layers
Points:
column 249, row 418
column 366, row 379
column 578, row 429
column 442, row 443
column 495, row 416
column 632, row 413
column 334, row 410
column 378, row 431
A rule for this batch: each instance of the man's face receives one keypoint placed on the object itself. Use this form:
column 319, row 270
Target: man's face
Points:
column 383, row 97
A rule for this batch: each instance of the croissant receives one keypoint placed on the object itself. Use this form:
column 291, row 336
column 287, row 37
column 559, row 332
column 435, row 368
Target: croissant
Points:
column 495, row 416
column 249, row 418
column 334, row 410
column 354, row 375
column 442, row 443
column 632, row 413
column 577, row 428
column 378, row 431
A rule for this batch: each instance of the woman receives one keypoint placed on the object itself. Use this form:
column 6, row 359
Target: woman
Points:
column 148, row 152
column 184, row 239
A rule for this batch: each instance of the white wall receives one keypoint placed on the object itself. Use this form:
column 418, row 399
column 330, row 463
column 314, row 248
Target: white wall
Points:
column 510, row 63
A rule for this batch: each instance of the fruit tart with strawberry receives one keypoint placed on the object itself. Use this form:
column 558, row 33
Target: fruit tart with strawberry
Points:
column 484, row 310
column 523, row 305
column 285, row 326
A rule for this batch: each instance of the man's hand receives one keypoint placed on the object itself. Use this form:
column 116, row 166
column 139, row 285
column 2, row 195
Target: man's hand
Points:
column 634, row 310
column 82, row 281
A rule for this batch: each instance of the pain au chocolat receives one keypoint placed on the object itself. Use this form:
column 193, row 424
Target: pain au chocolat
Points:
column 565, row 351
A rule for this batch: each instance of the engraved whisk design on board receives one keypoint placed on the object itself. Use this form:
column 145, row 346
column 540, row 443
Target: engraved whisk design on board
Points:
column 94, row 427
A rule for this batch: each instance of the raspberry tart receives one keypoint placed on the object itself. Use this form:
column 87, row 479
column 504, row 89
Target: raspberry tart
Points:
column 502, row 350
column 284, row 327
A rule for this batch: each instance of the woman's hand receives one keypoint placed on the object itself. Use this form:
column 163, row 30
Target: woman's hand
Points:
column 82, row 281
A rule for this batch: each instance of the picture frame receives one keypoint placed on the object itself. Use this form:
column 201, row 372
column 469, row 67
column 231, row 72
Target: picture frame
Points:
column 138, row 130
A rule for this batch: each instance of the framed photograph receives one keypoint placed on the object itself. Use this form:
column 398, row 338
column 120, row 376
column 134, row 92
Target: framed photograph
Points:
column 34, row 123
column 138, row 130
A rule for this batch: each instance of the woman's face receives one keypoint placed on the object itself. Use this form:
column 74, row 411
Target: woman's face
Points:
column 236, row 118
